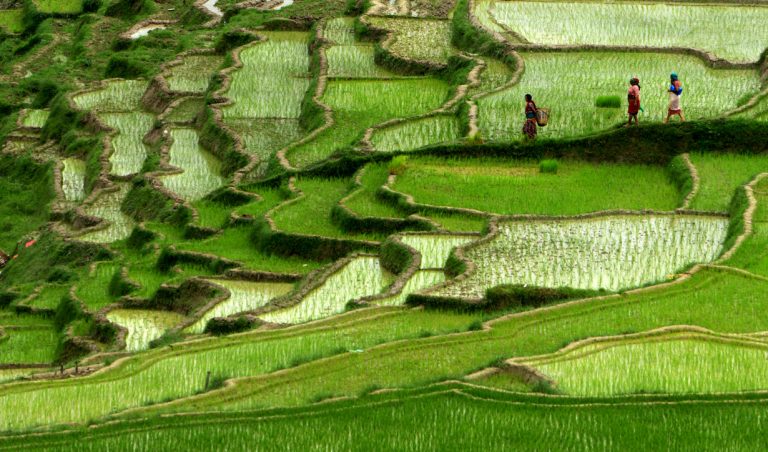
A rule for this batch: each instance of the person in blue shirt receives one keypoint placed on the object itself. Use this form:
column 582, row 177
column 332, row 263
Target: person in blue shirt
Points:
column 675, row 91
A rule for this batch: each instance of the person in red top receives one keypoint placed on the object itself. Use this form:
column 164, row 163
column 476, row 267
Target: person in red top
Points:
column 633, row 98
column 530, row 126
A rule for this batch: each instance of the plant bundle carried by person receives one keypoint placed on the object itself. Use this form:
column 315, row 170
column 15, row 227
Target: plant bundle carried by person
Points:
column 675, row 91
column 530, row 126
column 633, row 99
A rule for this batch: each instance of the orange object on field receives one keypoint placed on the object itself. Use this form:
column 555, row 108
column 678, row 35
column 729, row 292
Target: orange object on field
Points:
column 30, row 243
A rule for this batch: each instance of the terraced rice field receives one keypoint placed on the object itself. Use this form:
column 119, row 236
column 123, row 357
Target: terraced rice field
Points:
column 662, row 25
column 611, row 253
column 221, row 235
column 571, row 95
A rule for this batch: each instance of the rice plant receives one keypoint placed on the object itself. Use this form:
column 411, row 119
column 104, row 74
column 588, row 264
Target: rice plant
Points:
column 193, row 74
column 73, row 179
column 421, row 280
column 273, row 79
column 201, row 169
column 265, row 136
column 435, row 249
column 244, row 296
column 424, row 40
column 495, row 75
column 719, row 29
column 354, row 61
column 143, row 326
column 673, row 364
column 59, row 6
column 340, row 31
column 359, row 104
column 107, row 206
column 365, row 203
column 50, row 296
column 418, row 133
column 35, row 118
column 570, row 94
column 33, row 344
column 506, row 186
column 611, row 253
column 721, row 175
column 128, row 148
column 115, row 96
column 93, row 290
column 361, row 277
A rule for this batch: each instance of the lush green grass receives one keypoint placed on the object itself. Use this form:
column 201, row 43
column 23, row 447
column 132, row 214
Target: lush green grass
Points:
column 517, row 187
column 235, row 243
column 359, row 104
column 181, row 370
column 721, row 175
column 11, row 20
column 571, row 94
column 365, row 203
column 59, row 6
column 312, row 213
column 50, row 296
column 32, row 344
column 662, row 25
column 753, row 253
column 417, row 420
column 673, row 363
column 27, row 190
column 93, row 287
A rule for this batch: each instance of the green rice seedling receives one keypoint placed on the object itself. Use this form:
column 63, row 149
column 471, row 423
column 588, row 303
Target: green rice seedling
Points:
column 14, row 374
column 73, row 179
column 548, row 166
column 143, row 325
column 273, row 79
column 424, row 40
column 752, row 255
column 59, row 6
column 504, row 380
column 668, row 364
column 483, row 14
column 12, row 20
column 33, row 344
column 312, row 213
column 187, row 110
column 517, row 187
column 416, row 134
column 570, row 95
column 93, row 288
column 202, row 170
column 495, row 75
column 359, row 104
column 128, row 148
column 611, row 253
column 421, row 280
column 244, row 296
column 340, row 31
column 107, row 206
column 362, row 276
column 35, row 118
column 608, row 102
column 678, row 25
column 193, row 74
column 398, row 165
column 50, row 296
column 349, row 58
column 236, row 244
column 720, row 176
column 365, row 203
column 435, row 249
column 116, row 96
column 263, row 137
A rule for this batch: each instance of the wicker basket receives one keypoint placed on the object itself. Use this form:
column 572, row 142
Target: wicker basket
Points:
column 542, row 116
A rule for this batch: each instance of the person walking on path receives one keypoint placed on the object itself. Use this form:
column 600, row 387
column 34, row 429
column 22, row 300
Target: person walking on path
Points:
column 530, row 126
column 675, row 91
column 633, row 98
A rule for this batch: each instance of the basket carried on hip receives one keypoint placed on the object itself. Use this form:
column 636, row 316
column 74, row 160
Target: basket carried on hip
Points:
column 542, row 116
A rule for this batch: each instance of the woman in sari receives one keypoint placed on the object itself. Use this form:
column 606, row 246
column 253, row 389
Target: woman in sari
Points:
column 633, row 99
column 675, row 91
column 530, row 126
